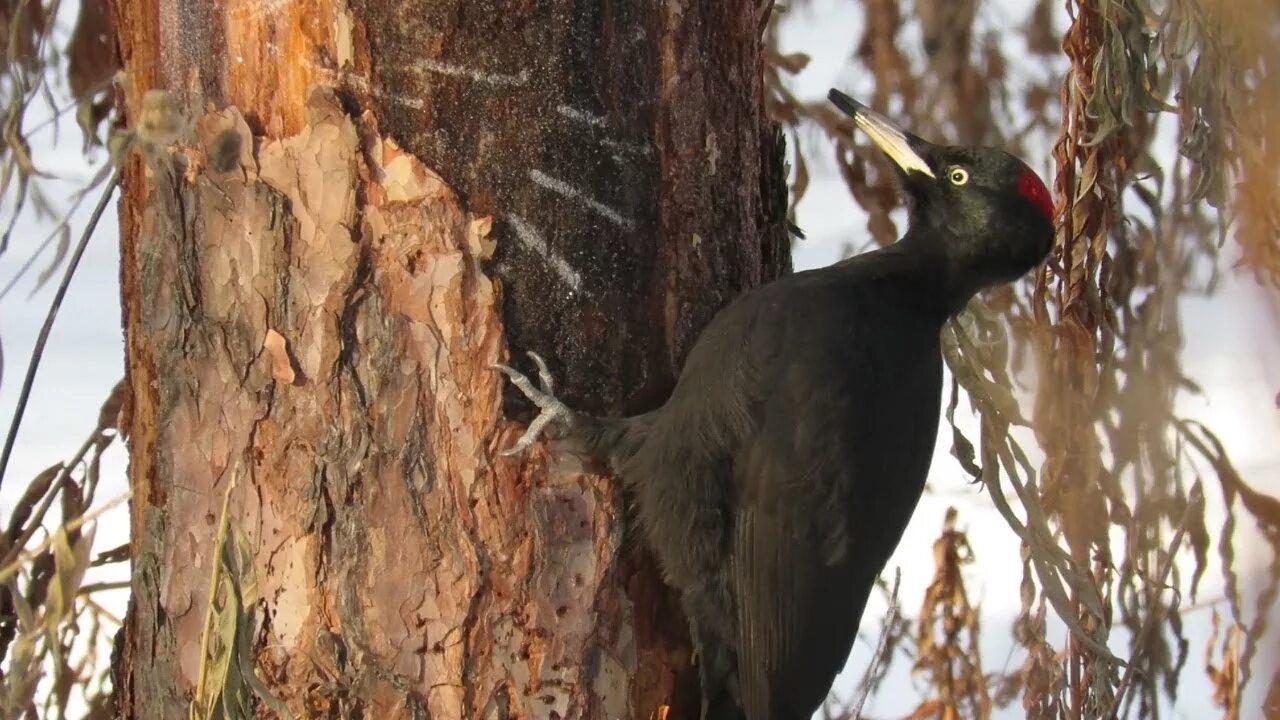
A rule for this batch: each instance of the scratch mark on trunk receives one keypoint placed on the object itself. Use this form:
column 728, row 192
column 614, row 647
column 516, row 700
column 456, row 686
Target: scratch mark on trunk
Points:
column 561, row 187
column 530, row 236
column 582, row 116
column 480, row 76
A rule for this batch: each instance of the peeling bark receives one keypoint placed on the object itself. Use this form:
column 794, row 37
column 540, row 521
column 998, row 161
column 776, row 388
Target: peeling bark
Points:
column 353, row 225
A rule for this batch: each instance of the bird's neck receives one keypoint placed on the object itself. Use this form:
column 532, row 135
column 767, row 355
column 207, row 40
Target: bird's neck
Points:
column 946, row 270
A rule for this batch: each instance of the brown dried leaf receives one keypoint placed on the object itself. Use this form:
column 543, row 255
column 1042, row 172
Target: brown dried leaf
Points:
column 1224, row 674
column 22, row 24
column 91, row 65
column 109, row 414
column 23, row 509
column 947, row 632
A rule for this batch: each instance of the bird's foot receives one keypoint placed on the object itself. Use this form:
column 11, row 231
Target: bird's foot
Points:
column 552, row 410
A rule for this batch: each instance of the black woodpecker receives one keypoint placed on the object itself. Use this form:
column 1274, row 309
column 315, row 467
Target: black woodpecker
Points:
column 778, row 477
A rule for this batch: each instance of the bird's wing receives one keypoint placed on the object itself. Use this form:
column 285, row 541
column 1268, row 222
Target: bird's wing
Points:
column 791, row 548
column 827, row 483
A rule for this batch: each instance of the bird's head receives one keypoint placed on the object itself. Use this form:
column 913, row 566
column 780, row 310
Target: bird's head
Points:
column 984, row 209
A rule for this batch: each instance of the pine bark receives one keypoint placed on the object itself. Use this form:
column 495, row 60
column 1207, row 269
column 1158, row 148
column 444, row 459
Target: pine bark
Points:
column 362, row 204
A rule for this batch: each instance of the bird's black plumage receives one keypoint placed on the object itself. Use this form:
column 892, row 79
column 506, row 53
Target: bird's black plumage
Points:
column 780, row 474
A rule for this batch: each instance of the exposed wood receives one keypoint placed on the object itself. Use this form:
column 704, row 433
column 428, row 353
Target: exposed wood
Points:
column 365, row 205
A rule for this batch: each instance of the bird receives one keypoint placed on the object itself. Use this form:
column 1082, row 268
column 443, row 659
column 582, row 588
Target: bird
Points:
column 777, row 478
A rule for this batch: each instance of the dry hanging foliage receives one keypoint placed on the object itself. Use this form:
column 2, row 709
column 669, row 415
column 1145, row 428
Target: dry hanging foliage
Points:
column 1224, row 670
column 55, row 637
column 1098, row 332
column 35, row 56
column 947, row 632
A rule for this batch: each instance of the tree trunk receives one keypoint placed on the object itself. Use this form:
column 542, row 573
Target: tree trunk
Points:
column 367, row 204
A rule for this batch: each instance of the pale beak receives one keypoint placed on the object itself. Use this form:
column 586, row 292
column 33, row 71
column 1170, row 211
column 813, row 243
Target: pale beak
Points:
column 892, row 141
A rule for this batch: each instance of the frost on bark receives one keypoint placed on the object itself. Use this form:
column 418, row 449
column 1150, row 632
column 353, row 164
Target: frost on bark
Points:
column 359, row 216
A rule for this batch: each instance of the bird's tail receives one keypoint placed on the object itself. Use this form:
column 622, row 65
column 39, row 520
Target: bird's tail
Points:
column 724, row 707
column 609, row 440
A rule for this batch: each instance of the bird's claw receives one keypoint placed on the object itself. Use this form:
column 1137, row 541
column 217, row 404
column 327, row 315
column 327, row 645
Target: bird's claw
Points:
column 544, row 375
column 550, row 407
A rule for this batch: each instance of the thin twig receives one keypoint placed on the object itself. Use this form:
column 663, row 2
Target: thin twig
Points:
column 44, row 244
column 43, row 339
column 100, row 611
column 210, row 614
column 37, row 518
column 90, row 588
column 891, row 617
column 8, row 570
column 1165, row 568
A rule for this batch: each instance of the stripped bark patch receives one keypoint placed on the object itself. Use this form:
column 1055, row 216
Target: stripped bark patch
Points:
column 281, row 366
column 420, row 569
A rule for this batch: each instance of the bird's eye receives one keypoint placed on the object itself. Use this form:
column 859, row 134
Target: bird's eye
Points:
column 958, row 176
